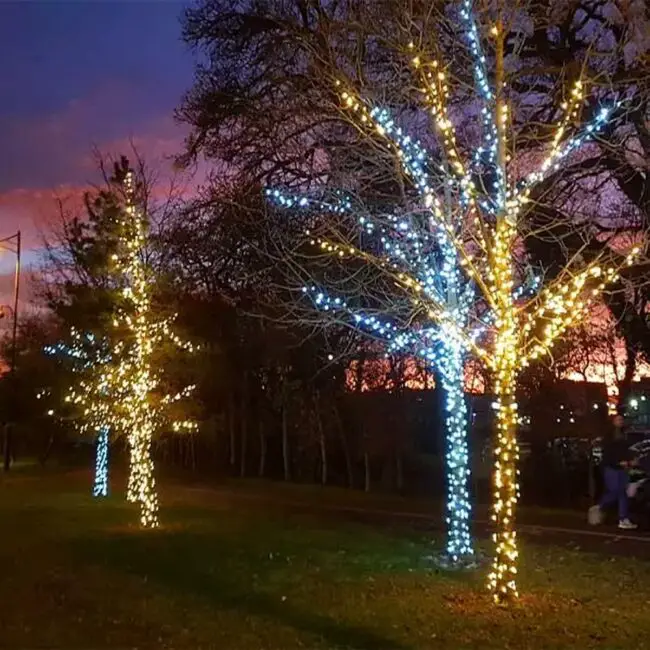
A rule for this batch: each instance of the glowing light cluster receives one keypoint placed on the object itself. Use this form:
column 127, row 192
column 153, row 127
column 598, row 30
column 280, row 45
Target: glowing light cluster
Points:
column 136, row 376
column 458, row 510
column 338, row 203
column 486, row 152
column 428, row 259
column 522, row 333
column 517, row 331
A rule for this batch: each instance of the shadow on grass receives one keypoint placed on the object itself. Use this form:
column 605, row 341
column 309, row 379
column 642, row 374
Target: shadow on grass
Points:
column 218, row 570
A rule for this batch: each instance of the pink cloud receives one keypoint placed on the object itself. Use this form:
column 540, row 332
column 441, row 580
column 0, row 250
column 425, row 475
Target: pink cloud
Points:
column 52, row 157
column 159, row 142
column 34, row 210
column 58, row 149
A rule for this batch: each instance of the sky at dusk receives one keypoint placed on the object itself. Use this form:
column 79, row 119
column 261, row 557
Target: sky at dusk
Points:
column 78, row 75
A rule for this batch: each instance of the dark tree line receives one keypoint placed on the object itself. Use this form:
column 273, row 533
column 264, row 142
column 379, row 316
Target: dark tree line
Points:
column 279, row 394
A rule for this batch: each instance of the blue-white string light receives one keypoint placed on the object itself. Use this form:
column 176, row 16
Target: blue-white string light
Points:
column 100, row 484
column 85, row 352
column 429, row 258
column 429, row 255
column 486, row 152
column 562, row 150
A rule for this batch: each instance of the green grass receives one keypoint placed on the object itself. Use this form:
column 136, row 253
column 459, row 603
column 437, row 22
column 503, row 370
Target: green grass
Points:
column 225, row 574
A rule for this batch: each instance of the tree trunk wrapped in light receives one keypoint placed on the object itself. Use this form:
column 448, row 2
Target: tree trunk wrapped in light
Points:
column 100, row 484
column 88, row 402
column 136, row 377
column 457, row 454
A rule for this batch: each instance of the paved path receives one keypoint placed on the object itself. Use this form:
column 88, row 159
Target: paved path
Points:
column 564, row 529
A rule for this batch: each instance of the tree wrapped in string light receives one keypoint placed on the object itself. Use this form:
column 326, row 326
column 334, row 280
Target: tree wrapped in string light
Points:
column 401, row 247
column 473, row 209
column 120, row 391
column 135, row 378
column 88, row 401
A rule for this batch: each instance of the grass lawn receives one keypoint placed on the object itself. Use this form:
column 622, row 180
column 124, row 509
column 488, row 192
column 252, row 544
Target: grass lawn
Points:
column 221, row 574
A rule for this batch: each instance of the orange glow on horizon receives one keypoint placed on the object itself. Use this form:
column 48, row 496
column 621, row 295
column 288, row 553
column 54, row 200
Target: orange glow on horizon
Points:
column 379, row 374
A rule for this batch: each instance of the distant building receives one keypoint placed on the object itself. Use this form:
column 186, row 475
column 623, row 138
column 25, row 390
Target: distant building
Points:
column 637, row 408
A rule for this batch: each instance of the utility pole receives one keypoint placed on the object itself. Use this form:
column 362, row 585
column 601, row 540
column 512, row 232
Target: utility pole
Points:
column 8, row 438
